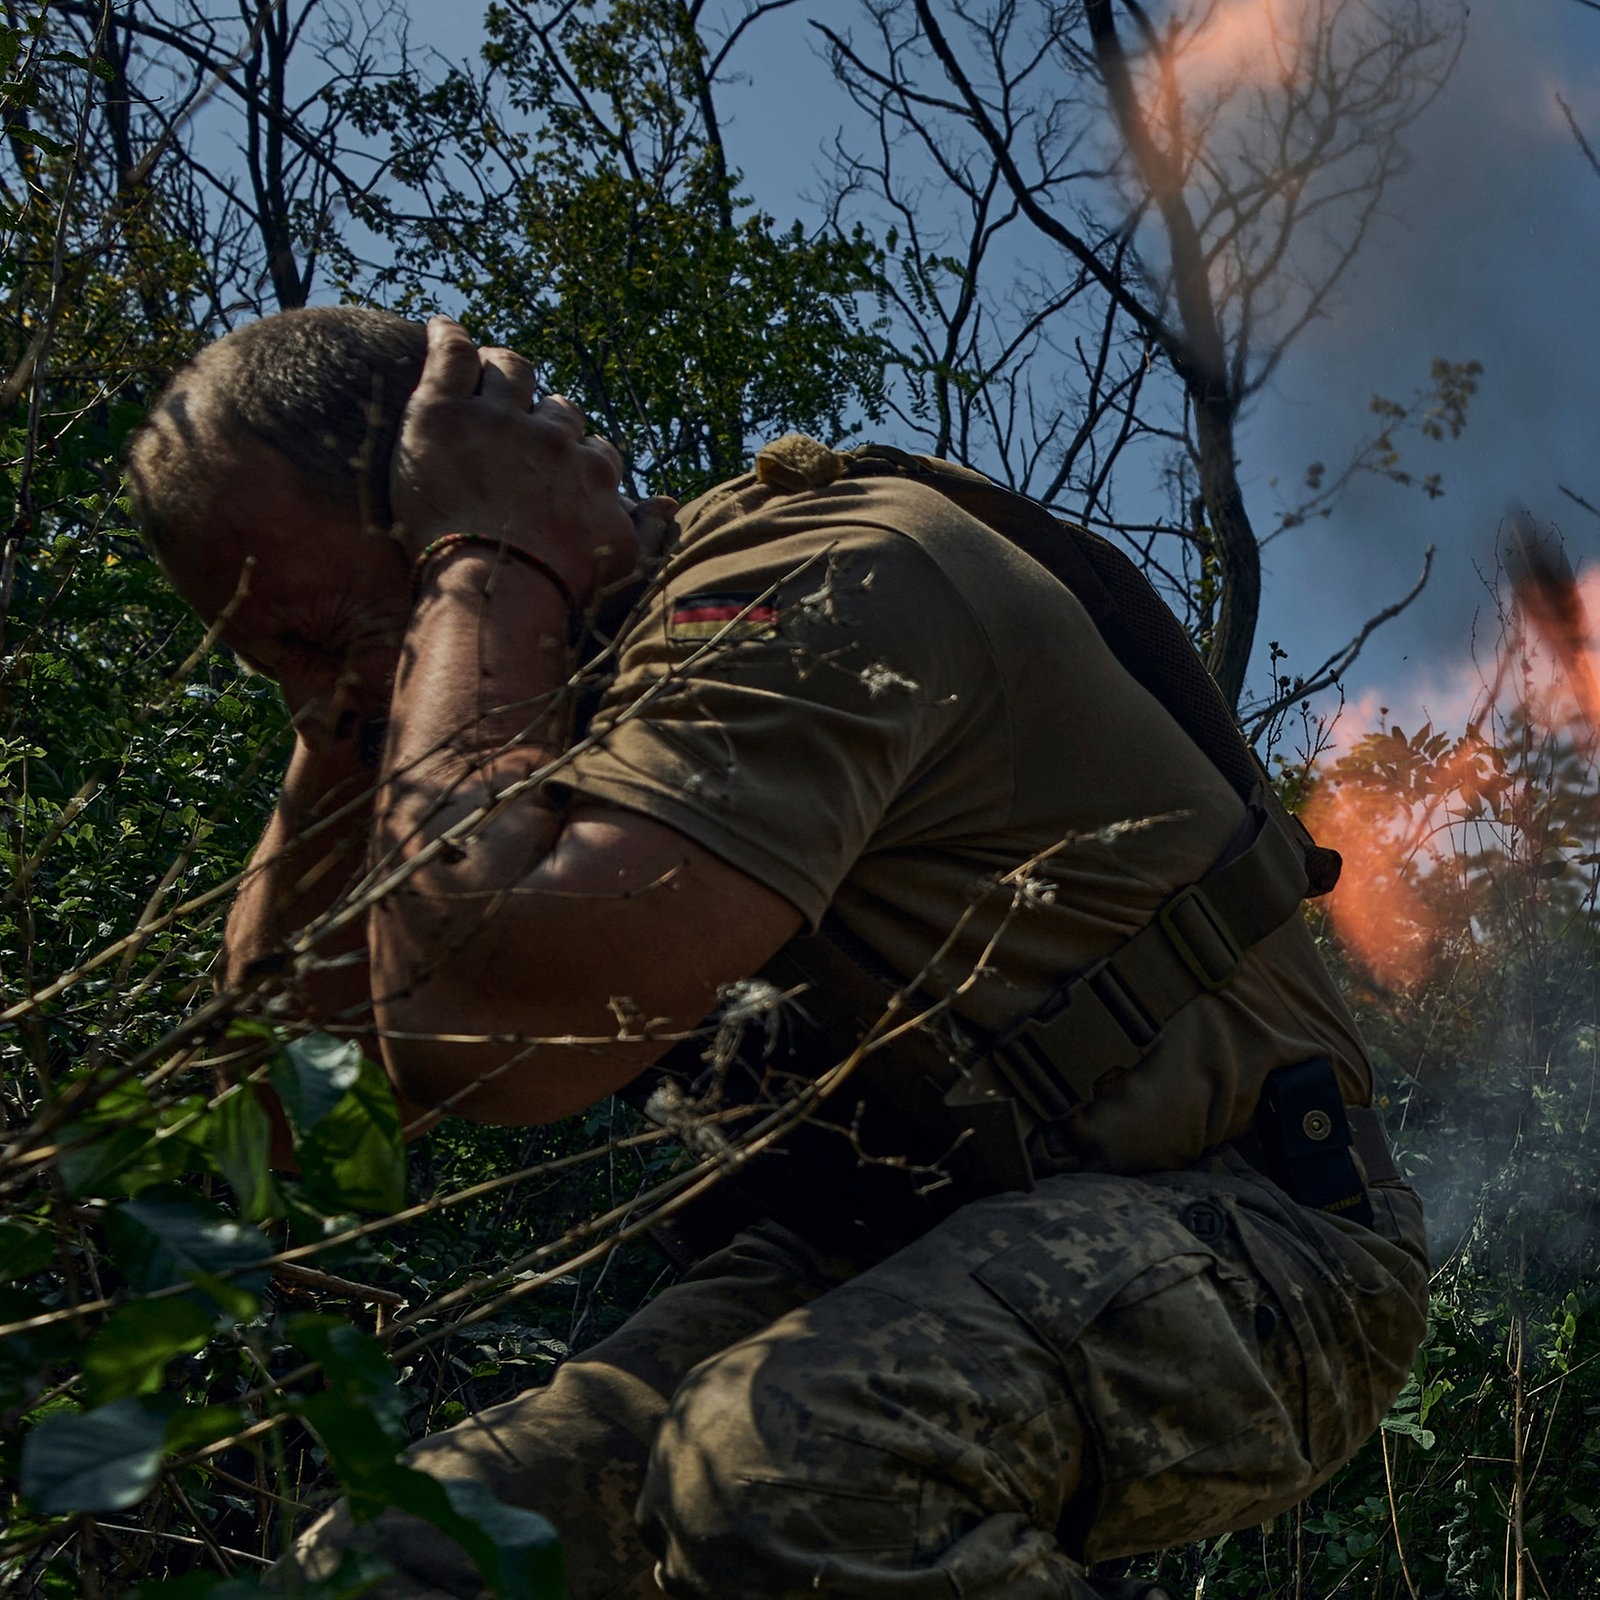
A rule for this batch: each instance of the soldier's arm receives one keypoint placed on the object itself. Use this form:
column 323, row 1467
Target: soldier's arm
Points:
column 313, row 848
column 314, row 843
column 510, row 923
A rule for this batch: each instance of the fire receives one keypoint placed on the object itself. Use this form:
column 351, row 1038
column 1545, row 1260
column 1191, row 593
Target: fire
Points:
column 1376, row 912
column 1233, row 42
column 1407, row 811
column 1398, row 821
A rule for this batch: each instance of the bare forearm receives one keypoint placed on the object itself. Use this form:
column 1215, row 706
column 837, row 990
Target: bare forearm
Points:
column 476, row 710
column 313, row 846
column 477, row 707
column 540, row 960
column 525, row 961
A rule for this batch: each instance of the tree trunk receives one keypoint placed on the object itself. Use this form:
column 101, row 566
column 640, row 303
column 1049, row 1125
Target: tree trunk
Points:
column 1237, row 550
column 1197, row 350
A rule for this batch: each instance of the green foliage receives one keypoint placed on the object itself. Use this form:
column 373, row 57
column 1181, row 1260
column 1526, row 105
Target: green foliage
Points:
column 594, row 224
column 179, row 1345
column 109, row 1458
column 1436, row 414
column 101, row 1460
column 360, row 1419
column 130, row 1353
column 346, row 1123
column 193, row 1314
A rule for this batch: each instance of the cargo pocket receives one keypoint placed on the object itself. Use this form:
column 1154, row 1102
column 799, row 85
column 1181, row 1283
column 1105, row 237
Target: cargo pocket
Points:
column 1175, row 1358
column 1355, row 1306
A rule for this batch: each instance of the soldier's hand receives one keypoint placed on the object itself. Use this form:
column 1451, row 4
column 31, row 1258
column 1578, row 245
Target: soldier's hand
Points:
column 476, row 455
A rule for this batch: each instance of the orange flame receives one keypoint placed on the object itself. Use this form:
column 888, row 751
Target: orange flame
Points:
column 1401, row 810
column 1233, row 42
column 1394, row 825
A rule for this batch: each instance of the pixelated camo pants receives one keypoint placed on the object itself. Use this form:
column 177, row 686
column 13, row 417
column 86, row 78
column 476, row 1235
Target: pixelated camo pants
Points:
column 1103, row 1366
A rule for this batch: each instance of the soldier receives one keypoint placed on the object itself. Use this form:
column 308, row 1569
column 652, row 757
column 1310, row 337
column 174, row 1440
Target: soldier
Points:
column 1023, row 1296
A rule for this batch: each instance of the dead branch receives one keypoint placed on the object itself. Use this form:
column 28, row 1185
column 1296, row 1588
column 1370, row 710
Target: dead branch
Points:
column 1259, row 718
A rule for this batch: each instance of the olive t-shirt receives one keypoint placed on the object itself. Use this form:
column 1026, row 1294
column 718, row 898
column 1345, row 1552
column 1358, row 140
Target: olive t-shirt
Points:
column 870, row 701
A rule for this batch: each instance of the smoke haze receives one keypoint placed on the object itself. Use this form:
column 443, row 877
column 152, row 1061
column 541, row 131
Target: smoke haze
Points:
column 1491, row 255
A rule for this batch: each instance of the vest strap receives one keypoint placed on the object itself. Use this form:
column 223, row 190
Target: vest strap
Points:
column 1106, row 1019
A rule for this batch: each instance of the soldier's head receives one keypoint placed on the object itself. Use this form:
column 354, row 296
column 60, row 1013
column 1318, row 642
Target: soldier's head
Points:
column 261, row 481
column 321, row 388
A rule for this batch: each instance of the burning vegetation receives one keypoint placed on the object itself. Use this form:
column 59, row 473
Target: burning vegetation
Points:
column 1427, row 822
column 1466, row 925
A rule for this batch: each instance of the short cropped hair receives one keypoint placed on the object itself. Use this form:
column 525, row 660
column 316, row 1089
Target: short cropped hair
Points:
column 324, row 387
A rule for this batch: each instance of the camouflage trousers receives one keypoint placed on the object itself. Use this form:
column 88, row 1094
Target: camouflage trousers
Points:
column 1103, row 1366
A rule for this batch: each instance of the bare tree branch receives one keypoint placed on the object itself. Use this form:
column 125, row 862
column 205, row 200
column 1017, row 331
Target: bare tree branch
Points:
column 1047, row 224
column 1230, row 203
column 1572, row 121
column 1258, row 718
column 1575, row 497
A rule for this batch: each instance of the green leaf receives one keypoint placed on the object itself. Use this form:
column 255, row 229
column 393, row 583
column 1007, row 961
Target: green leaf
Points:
column 356, row 1367
column 517, row 1552
column 346, row 1123
column 168, row 1236
column 101, row 1460
column 40, row 141
column 114, row 1133
column 313, row 1074
column 356, row 1158
column 117, row 1151
column 190, row 1427
column 241, row 1145
column 123, row 1161
column 359, row 1448
column 109, row 1458
column 130, row 1353
column 1409, row 1430
column 24, row 1250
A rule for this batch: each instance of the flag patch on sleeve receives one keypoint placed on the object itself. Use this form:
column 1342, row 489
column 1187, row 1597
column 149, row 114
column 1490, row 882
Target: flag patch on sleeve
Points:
column 698, row 617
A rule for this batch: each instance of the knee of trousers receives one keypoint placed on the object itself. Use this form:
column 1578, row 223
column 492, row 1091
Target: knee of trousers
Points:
column 800, row 1460
column 733, row 1488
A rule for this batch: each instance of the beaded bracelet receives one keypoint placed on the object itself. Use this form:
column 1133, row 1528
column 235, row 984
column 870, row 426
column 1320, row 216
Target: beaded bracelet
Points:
column 457, row 541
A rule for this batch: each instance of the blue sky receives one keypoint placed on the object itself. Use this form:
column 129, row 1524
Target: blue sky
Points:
column 1491, row 252
column 1495, row 254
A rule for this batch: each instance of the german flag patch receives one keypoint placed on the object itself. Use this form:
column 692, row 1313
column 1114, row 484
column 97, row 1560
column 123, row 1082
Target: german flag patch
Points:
column 699, row 617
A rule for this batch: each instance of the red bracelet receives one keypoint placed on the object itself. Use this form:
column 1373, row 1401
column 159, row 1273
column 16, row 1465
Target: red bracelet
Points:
column 458, row 541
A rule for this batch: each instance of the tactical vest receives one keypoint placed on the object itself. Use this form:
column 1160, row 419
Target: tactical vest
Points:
column 945, row 1113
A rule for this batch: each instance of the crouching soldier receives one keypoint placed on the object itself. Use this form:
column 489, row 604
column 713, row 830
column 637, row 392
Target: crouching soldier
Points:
column 1105, row 1254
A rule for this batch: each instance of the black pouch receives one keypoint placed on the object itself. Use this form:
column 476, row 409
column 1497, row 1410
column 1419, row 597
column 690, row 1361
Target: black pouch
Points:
column 1305, row 1136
